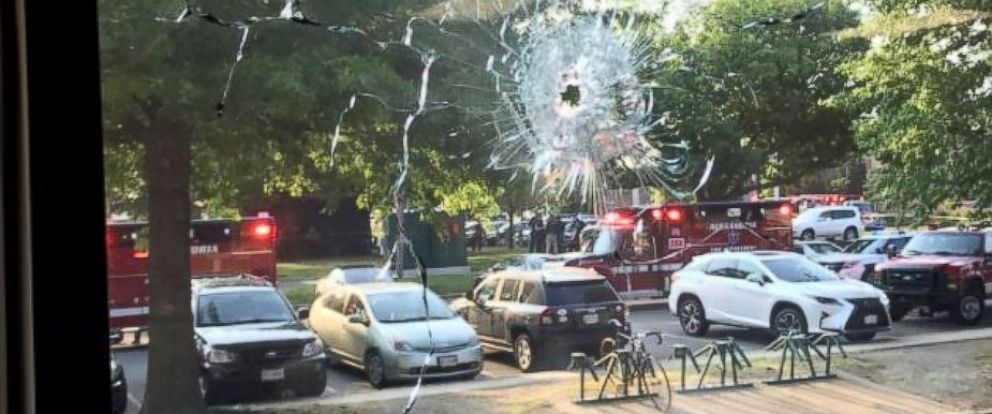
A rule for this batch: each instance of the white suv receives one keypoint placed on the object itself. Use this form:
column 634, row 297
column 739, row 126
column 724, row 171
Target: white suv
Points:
column 816, row 222
column 780, row 291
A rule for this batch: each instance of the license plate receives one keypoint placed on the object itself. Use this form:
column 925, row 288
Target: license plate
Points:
column 871, row 319
column 273, row 374
column 590, row 319
column 447, row 361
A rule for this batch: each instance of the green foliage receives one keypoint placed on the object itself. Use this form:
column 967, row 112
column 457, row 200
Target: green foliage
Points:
column 926, row 98
column 752, row 97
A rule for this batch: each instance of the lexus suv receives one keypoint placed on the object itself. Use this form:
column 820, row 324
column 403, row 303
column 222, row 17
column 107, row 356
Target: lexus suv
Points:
column 940, row 271
column 540, row 314
column 779, row 291
column 247, row 334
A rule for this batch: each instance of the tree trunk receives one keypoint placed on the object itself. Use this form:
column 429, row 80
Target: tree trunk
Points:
column 172, row 379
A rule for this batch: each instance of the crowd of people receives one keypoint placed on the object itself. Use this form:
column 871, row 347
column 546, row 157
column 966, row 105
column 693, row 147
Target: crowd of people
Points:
column 549, row 237
column 546, row 236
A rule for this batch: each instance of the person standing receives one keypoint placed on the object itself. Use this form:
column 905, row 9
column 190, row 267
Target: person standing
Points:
column 555, row 232
column 577, row 227
column 536, row 227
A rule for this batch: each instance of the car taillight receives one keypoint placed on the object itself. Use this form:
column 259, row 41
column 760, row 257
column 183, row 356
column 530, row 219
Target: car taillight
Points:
column 548, row 317
column 674, row 215
column 551, row 315
column 263, row 230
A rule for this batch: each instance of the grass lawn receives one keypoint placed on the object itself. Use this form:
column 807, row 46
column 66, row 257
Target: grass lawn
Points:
column 302, row 295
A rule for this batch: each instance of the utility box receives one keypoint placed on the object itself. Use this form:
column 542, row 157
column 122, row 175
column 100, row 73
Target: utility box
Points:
column 438, row 239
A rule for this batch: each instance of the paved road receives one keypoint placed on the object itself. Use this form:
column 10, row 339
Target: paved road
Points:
column 344, row 380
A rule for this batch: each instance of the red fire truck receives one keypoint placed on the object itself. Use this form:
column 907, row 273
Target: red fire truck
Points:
column 216, row 247
column 638, row 248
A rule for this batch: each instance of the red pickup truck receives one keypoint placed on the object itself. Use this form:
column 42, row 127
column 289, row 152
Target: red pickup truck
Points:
column 939, row 271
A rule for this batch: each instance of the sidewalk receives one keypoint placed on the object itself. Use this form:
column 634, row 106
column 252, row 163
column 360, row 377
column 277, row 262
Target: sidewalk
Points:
column 554, row 392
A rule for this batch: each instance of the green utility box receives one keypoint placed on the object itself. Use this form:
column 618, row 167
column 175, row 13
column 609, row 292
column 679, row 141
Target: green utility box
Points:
column 439, row 240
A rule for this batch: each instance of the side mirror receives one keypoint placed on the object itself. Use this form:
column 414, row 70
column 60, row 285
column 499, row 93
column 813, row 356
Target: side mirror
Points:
column 470, row 295
column 756, row 278
column 891, row 251
column 356, row 318
column 481, row 301
column 303, row 313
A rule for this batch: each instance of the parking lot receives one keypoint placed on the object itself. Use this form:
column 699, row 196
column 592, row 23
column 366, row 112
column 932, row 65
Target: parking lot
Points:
column 345, row 380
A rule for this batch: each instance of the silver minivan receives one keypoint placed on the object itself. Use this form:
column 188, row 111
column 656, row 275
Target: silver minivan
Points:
column 384, row 329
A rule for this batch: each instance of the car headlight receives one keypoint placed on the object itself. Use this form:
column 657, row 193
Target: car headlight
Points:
column 825, row 301
column 402, row 346
column 220, row 356
column 316, row 347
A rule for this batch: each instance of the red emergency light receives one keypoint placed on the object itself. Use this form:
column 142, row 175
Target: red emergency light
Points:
column 618, row 219
column 657, row 214
column 262, row 230
column 785, row 210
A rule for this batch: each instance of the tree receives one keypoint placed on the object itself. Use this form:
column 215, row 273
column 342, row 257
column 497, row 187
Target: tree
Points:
column 924, row 92
column 751, row 94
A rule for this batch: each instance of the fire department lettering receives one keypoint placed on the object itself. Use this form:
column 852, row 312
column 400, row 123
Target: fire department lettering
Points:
column 204, row 249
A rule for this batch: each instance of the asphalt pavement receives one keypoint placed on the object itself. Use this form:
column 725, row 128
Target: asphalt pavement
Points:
column 343, row 380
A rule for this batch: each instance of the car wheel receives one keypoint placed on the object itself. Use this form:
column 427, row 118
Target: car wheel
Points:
column 315, row 387
column 692, row 317
column 524, row 352
column 208, row 390
column 807, row 234
column 788, row 319
column 860, row 337
column 375, row 369
column 850, row 233
column 969, row 309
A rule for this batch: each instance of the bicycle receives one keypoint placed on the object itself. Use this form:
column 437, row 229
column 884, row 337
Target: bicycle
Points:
column 629, row 363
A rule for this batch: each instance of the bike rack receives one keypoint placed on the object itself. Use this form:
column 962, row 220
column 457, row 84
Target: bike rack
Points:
column 729, row 352
column 795, row 344
column 630, row 375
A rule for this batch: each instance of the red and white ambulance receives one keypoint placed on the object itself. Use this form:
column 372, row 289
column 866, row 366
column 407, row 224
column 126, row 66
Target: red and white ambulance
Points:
column 638, row 248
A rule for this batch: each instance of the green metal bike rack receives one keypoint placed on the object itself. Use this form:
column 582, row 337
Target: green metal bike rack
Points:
column 730, row 357
column 799, row 345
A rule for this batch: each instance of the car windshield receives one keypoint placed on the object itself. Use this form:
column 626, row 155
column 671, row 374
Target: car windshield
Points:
column 864, row 246
column 798, row 270
column 222, row 309
column 944, row 244
column 575, row 293
column 824, row 248
column 408, row 306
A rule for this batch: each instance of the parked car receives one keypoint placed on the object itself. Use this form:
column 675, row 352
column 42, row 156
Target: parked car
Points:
column 384, row 329
column 538, row 314
column 815, row 248
column 349, row 275
column 940, row 271
column 844, row 222
column 118, row 386
column 780, row 291
column 247, row 334
column 858, row 260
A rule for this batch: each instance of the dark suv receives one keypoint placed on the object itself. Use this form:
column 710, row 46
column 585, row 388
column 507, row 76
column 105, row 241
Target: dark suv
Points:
column 537, row 315
column 938, row 271
column 247, row 334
